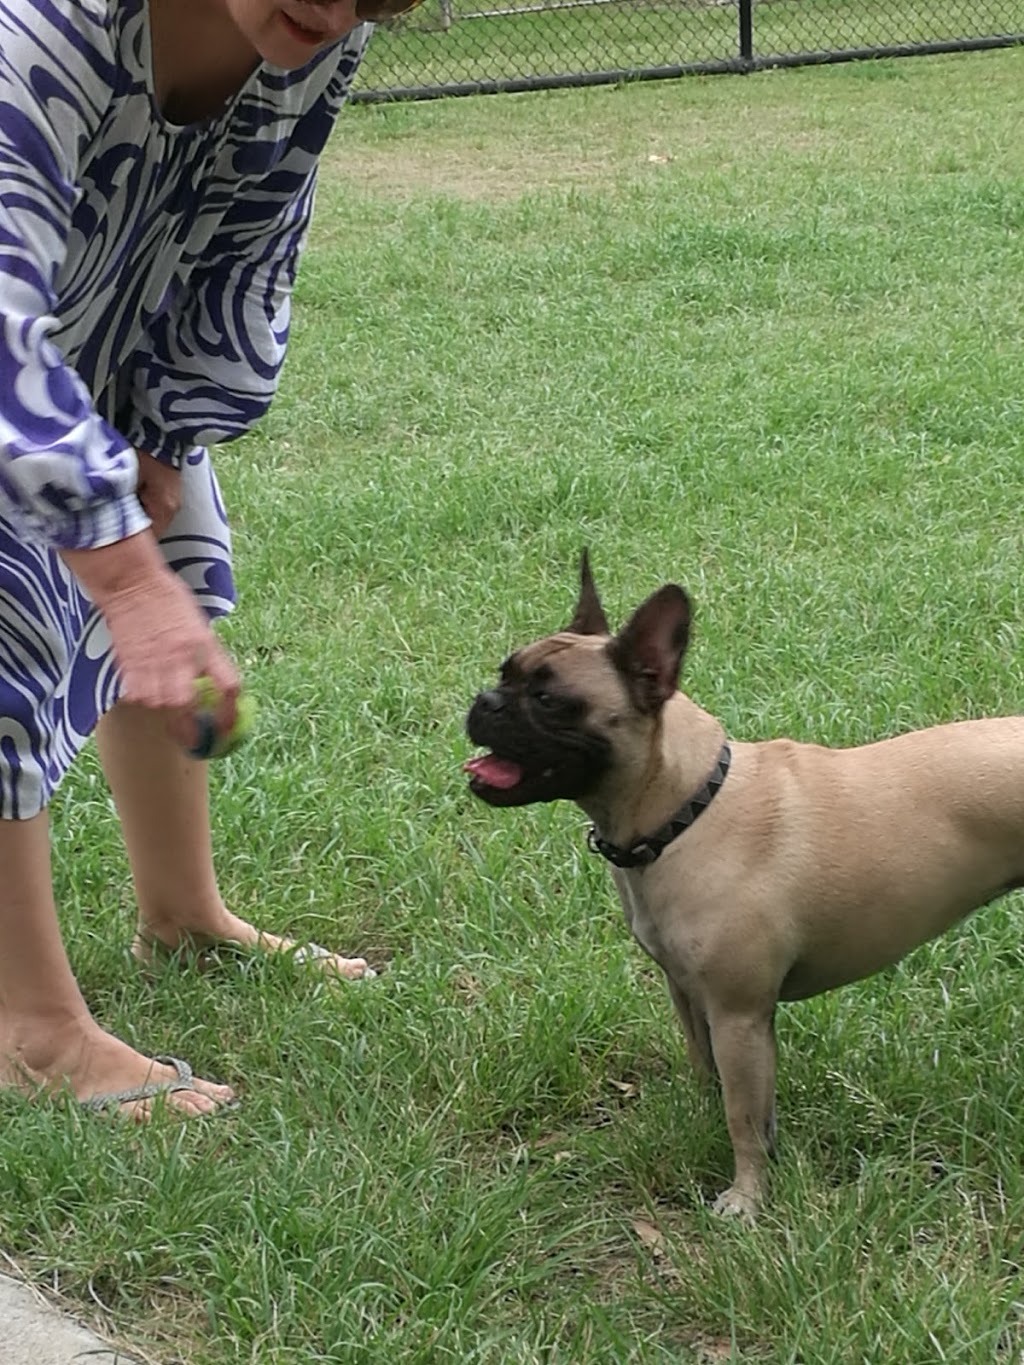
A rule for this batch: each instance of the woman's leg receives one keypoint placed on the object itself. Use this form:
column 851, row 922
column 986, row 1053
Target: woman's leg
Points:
column 162, row 798
column 48, row 1038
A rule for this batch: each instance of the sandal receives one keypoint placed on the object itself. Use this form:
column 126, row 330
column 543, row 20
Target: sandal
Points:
column 101, row 1104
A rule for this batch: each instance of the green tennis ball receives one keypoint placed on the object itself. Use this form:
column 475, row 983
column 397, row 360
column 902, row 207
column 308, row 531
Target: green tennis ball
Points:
column 211, row 743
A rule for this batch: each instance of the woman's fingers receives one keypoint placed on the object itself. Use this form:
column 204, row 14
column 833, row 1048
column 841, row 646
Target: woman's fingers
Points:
column 161, row 638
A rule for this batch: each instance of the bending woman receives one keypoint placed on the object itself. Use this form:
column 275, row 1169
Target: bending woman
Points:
column 157, row 170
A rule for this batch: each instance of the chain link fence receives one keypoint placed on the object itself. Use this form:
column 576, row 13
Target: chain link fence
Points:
column 461, row 47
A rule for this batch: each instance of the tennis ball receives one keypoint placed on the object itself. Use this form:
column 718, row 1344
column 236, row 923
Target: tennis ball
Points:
column 211, row 743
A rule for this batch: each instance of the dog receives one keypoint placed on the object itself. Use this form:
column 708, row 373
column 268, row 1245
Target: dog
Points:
column 750, row 872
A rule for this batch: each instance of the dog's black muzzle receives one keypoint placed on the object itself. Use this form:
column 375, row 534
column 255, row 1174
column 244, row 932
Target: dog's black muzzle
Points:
column 557, row 761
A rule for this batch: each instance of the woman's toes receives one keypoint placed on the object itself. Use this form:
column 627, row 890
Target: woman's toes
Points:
column 352, row 968
column 186, row 1104
column 192, row 1102
column 218, row 1095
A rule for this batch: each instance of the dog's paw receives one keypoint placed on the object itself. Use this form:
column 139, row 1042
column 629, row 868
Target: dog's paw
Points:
column 737, row 1203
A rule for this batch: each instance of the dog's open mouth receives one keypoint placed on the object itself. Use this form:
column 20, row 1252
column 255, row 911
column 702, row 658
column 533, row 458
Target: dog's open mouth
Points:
column 521, row 781
column 519, row 762
column 505, row 782
column 488, row 770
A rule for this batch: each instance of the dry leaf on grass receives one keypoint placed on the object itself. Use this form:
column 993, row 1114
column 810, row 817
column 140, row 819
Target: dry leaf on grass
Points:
column 713, row 1351
column 652, row 1236
column 626, row 1088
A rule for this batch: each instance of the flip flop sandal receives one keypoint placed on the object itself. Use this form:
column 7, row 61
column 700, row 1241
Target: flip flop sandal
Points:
column 99, row 1104
column 149, row 953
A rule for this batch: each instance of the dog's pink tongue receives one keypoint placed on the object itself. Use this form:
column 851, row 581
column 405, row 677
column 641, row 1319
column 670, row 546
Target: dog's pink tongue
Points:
column 494, row 771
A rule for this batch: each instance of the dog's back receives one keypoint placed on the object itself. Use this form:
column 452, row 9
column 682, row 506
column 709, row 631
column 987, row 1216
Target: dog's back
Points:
column 867, row 852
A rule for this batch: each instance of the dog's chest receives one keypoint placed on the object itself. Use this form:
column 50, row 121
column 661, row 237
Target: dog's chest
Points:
column 639, row 918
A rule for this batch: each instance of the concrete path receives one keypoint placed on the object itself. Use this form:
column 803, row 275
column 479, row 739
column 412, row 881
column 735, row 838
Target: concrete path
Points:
column 32, row 1332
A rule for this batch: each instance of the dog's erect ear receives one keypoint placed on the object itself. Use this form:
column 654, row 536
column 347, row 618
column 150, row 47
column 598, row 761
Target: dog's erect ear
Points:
column 649, row 648
column 590, row 618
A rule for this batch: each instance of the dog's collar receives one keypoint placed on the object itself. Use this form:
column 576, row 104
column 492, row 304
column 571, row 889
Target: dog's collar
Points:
column 643, row 852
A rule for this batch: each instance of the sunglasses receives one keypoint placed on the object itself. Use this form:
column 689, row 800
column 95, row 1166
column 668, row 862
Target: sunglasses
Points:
column 380, row 11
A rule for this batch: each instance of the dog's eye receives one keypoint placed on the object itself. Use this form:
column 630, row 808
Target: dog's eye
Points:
column 543, row 697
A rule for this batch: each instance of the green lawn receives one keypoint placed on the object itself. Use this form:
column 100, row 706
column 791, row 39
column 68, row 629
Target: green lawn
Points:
column 780, row 363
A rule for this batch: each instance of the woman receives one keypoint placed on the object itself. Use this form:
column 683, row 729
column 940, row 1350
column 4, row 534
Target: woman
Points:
column 157, row 168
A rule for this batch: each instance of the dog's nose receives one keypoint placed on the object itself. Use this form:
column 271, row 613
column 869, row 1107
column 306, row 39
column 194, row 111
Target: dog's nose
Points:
column 490, row 701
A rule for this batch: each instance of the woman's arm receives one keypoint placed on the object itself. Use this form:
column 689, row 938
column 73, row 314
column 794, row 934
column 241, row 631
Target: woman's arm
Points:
column 66, row 477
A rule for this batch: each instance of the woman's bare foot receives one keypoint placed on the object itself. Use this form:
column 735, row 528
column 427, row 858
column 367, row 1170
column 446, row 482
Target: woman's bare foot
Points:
column 79, row 1057
column 228, row 929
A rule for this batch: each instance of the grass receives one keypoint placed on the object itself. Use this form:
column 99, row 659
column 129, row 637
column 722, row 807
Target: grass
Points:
column 780, row 364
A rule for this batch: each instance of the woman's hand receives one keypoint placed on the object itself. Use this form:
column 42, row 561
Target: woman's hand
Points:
column 161, row 638
column 159, row 491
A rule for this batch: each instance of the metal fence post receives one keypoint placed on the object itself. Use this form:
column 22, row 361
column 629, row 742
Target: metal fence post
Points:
column 745, row 15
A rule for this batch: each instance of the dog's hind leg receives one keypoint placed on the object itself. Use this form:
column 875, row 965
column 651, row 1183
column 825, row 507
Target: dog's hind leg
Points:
column 744, row 1050
column 695, row 1032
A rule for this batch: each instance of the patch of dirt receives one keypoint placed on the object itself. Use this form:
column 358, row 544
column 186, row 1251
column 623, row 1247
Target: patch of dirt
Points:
column 497, row 167
column 467, row 173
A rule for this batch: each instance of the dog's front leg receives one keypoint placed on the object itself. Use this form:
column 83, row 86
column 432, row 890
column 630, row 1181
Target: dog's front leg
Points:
column 744, row 1051
column 695, row 1032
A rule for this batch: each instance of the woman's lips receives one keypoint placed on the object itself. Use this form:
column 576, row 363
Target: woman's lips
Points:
column 303, row 35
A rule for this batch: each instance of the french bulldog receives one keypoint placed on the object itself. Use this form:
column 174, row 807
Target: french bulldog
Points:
column 750, row 872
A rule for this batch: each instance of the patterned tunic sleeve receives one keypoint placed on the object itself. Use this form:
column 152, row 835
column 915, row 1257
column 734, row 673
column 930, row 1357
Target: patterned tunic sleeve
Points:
column 212, row 363
column 67, row 479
